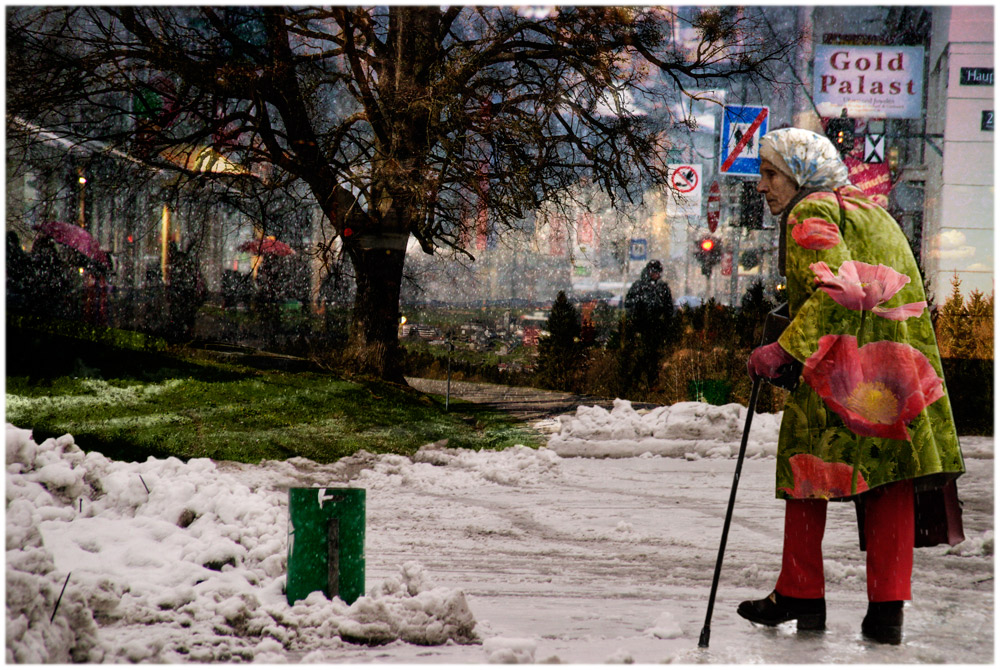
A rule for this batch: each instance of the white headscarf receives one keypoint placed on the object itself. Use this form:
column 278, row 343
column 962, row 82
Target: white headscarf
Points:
column 807, row 157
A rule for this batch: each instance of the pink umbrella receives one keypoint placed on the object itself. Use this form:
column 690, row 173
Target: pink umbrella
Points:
column 266, row 246
column 76, row 238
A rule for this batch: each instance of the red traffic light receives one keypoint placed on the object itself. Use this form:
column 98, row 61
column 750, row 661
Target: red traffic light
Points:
column 708, row 252
column 840, row 131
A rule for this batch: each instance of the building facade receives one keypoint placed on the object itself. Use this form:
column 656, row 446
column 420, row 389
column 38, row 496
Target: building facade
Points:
column 959, row 206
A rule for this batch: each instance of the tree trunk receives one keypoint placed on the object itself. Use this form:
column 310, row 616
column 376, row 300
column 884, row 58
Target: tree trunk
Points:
column 374, row 339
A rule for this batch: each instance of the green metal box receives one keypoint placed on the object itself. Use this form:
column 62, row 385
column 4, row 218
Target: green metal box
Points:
column 326, row 543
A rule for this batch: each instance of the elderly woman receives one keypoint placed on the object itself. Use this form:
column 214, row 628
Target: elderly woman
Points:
column 870, row 420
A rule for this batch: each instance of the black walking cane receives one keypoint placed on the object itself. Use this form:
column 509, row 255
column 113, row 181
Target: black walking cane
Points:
column 774, row 325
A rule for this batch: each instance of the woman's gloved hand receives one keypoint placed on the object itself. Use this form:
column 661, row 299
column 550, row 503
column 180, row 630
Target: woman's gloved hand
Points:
column 765, row 361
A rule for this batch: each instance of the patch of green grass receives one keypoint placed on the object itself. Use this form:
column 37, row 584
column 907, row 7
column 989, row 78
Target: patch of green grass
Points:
column 204, row 409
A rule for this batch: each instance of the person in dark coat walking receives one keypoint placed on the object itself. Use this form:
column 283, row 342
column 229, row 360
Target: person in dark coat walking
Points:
column 649, row 312
column 19, row 275
column 186, row 292
column 55, row 284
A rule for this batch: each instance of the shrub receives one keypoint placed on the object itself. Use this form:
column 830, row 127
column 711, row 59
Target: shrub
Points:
column 964, row 328
column 560, row 354
column 970, row 390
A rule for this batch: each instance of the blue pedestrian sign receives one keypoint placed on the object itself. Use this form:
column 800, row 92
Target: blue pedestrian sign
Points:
column 637, row 249
column 742, row 128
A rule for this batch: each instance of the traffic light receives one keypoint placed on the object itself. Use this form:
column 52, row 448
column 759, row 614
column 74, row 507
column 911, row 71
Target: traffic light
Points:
column 840, row 131
column 751, row 258
column 751, row 206
column 708, row 252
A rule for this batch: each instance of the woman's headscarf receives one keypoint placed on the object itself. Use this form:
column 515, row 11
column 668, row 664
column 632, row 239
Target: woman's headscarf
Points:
column 807, row 157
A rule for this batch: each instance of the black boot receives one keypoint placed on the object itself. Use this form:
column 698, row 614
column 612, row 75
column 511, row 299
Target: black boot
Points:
column 808, row 613
column 884, row 622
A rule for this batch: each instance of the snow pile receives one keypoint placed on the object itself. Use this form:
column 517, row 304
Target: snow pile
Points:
column 974, row 546
column 510, row 650
column 666, row 627
column 683, row 430
column 33, row 584
column 189, row 547
column 406, row 607
column 515, row 466
column 620, row 657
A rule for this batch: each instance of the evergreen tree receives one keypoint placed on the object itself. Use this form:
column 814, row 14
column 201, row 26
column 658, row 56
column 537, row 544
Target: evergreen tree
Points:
column 980, row 311
column 606, row 322
column 953, row 328
column 560, row 353
column 754, row 307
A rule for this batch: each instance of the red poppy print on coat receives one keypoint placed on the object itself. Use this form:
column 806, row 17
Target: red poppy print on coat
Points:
column 861, row 286
column 820, row 196
column 815, row 234
column 815, row 478
column 855, row 198
column 877, row 389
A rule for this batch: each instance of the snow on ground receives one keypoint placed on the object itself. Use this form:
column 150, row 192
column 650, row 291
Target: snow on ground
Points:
column 683, row 430
column 599, row 548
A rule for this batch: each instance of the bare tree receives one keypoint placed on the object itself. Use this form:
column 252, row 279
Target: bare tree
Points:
column 401, row 121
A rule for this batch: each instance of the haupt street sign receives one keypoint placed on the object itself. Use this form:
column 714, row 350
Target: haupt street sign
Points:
column 976, row 76
column 742, row 128
column 869, row 81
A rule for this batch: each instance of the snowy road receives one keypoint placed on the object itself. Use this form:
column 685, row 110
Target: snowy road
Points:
column 585, row 563
column 553, row 559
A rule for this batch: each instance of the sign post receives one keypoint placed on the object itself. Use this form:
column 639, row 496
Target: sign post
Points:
column 637, row 249
column 868, row 81
column 975, row 76
column 714, row 206
column 742, row 128
column 685, row 189
column 874, row 148
column 638, row 253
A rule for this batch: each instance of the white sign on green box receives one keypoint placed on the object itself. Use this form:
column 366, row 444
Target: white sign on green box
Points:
column 869, row 81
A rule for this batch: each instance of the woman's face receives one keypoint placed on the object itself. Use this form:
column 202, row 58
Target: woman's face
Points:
column 777, row 187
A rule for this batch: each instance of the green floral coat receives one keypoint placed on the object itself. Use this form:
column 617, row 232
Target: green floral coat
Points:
column 837, row 437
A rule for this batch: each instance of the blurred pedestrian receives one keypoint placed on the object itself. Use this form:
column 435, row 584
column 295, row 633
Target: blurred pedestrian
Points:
column 649, row 312
column 96, row 295
column 18, row 274
column 186, row 291
column 870, row 421
column 55, row 284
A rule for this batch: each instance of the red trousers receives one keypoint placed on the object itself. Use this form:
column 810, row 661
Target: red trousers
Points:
column 888, row 539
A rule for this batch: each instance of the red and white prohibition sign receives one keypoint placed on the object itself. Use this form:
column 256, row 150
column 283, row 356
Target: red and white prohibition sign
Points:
column 713, row 207
column 684, row 179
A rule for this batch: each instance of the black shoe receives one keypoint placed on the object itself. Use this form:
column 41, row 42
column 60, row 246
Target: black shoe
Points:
column 808, row 613
column 884, row 622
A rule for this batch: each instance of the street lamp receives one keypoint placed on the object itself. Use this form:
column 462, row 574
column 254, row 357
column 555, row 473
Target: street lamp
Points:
column 81, row 217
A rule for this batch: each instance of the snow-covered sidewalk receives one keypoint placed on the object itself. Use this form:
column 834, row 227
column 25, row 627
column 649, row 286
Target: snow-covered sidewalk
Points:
column 598, row 548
